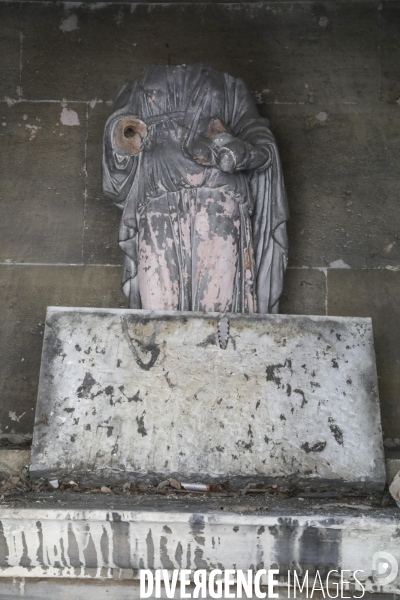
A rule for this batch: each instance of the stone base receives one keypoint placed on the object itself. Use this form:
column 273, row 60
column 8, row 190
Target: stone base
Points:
column 149, row 395
column 75, row 542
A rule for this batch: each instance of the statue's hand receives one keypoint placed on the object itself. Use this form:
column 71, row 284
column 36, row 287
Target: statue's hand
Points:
column 203, row 152
column 130, row 134
column 229, row 153
column 232, row 155
column 238, row 155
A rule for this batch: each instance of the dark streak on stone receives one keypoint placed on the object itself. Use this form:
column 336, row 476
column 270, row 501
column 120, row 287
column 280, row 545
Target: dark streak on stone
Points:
column 270, row 371
column 197, row 525
column 167, row 529
column 141, row 427
column 209, row 341
column 40, row 551
column 170, row 384
column 135, row 398
column 25, row 560
column 246, row 446
column 150, row 550
column 304, row 402
column 54, row 346
column 86, row 387
column 337, row 432
column 179, row 554
column 151, row 348
column 199, row 560
column 164, row 557
column 318, row 447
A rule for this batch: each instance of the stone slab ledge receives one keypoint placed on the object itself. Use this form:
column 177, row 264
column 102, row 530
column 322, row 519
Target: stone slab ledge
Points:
column 114, row 544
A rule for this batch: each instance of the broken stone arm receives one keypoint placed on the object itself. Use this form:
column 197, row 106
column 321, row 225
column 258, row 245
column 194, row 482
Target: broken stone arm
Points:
column 129, row 135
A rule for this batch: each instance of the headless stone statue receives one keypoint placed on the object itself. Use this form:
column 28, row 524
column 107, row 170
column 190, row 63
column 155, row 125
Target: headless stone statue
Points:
column 196, row 171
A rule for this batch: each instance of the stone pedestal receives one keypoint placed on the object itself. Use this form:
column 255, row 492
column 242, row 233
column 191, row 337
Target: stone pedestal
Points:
column 148, row 395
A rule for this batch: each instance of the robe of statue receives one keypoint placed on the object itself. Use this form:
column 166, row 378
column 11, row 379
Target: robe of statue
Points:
column 196, row 236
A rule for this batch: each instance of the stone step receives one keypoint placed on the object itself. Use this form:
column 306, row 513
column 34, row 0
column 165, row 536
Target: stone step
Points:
column 113, row 538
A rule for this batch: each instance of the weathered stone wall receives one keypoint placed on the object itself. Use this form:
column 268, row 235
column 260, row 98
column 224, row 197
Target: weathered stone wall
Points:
column 327, row 75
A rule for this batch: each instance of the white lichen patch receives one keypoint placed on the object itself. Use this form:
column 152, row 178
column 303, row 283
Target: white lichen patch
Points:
column 321, row 116
column 119, row 17
column 33, row 129
column 69, row 117
column 70, row 23
column 339, row 264
column 14, row 417
column 261, row 97
column 98, row 5
column 68, row 6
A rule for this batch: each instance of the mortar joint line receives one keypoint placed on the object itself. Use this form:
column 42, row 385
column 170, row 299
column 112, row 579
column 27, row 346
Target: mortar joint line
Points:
column 48, row 101
column 85, row 175
column 176, row 2
column 326, row 291
column 21, row 38
column 9, row 263
column 379, row 51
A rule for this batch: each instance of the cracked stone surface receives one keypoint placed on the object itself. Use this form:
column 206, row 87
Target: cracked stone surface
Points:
column 129, row 393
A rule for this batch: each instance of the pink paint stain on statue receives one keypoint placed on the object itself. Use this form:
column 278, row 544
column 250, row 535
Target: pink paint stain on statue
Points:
column 196, row 172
